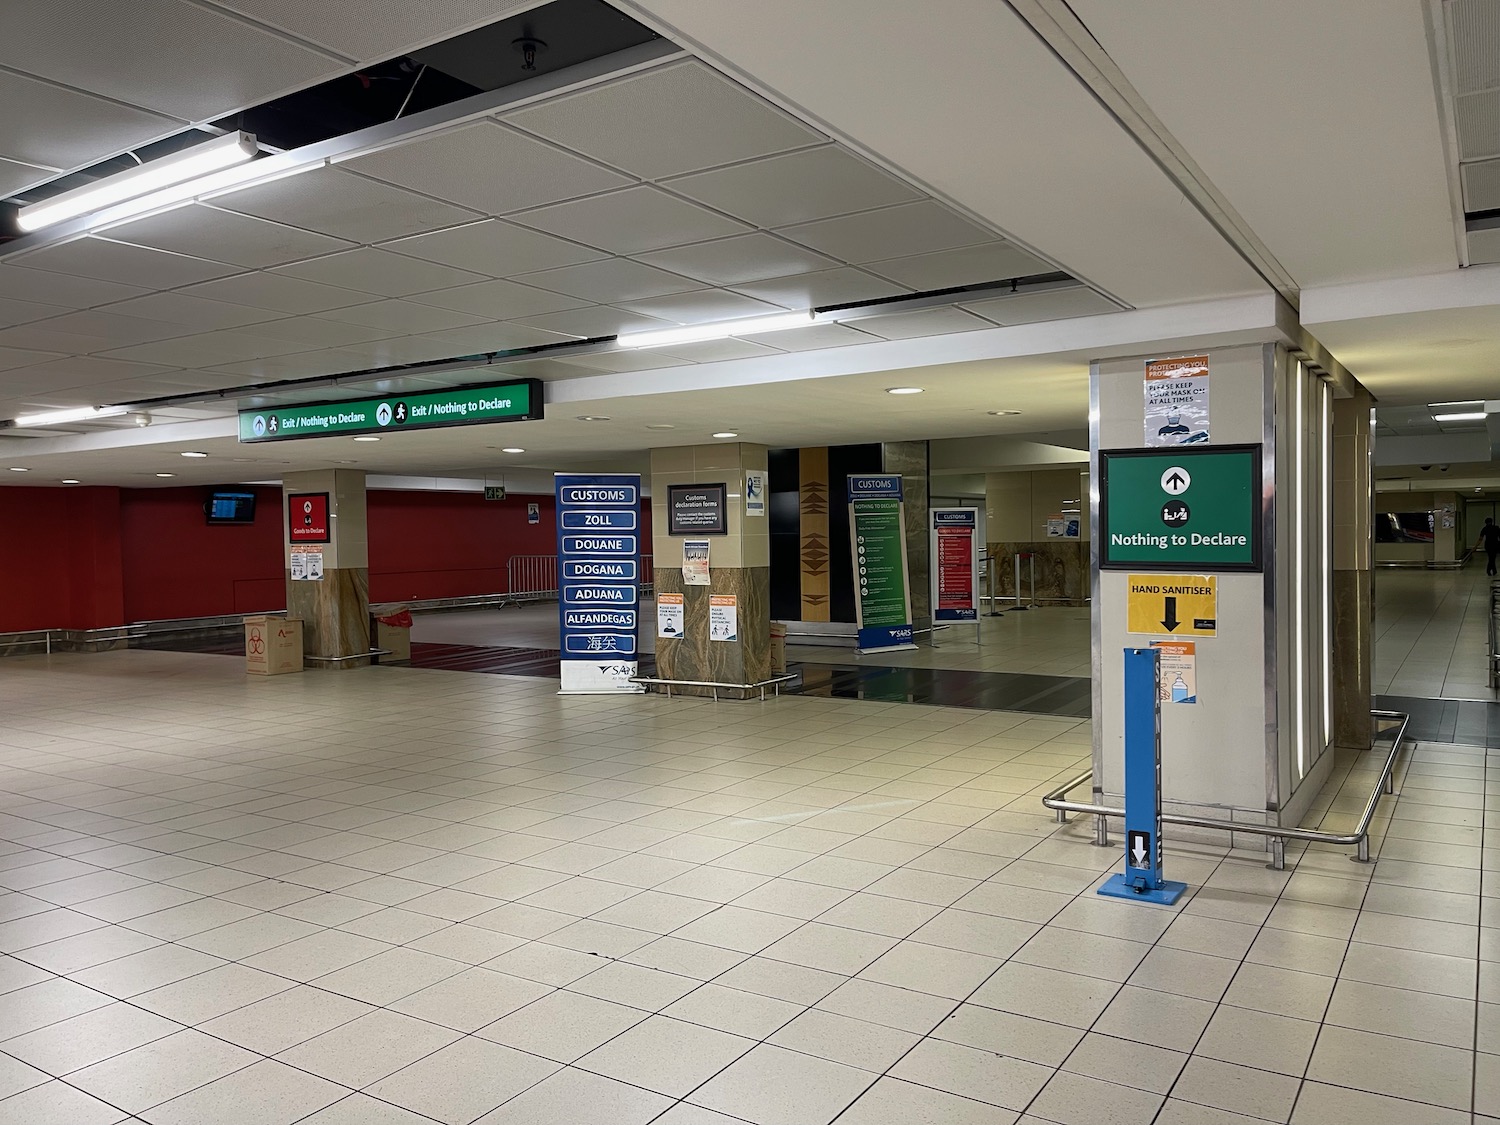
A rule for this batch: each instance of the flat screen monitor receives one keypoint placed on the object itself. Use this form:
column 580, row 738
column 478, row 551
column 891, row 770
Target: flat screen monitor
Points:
column 226, row 506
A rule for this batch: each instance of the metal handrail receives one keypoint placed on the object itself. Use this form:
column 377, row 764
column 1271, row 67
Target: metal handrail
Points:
column 774, row 682
column 1495, row 634
column 1278, row 834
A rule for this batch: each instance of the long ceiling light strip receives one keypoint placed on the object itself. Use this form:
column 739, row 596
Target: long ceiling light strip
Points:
column 75, row 414
column 717, row 330
column 181, row 170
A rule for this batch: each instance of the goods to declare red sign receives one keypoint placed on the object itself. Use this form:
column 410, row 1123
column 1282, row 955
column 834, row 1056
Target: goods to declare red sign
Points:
column 955, row 594
column 307, row 517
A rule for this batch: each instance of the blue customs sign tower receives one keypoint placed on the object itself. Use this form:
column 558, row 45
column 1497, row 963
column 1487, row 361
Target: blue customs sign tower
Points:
column 598, row 578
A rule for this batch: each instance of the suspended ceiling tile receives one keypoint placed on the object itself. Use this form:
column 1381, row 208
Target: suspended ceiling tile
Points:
column 702, row 305
column 379, row 271
column 496, row 337
column 117, row 329
column 376, row 29
column 615, row 363
column 1484, row 246
column 1477, row 118
column 495, row 248
column 842, row 286
column 16, row 177
column 207, row 349
column 50, row 126
column 13, row 358
column 544, row 369
column 893, row 232
column 614, row 279
column 40, row 336
column 487, row 167
column 968, row 265
column 313, row 331
column 715, row 351
column 283, row 294
column 499, row 300
column 746, row 257
column 923, row 322
column 334, row 202
column 181, row 59
column 600, row 320
column 796, row 187
column 630, row 221
column 117, row 261
column 91, row 369
column 1474, row 31
column 406, row 316
column 226, row 236
column 402, row 349
column 1481, row 182
column 299, row 365
column 14, row 312
column 675, row 118
column 811, row 338
column 1052, row 304
column 195, row 312
column 60, row 289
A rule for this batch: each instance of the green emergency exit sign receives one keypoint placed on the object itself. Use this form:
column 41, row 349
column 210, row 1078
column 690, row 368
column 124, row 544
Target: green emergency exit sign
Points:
column 1179, row 509
column 519, row 401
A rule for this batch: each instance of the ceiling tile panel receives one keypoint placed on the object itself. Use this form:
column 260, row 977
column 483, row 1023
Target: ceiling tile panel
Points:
column 47, row 125
column 207, row 349
column 796, row 187
column 90, row 370
column 315, row 331
column 813, row 337
column 12, row 358
column 1052, row 304
column 22, row 284
column 826, row 287
column 629, row 221
column 893, row 232
column 374, row 30
column 21, row 312
column 746, row 257
column 197, row 313
column 40, row 336
column 968, row 265
column 716, row 351
column 334, row 202
column 1477, row 117
column 489, row 168
column 404, row 315
column 499, row 300
column 676, row 118
column 116, row 261
column 702, row 305
column 281, row 293
column 379, row 271
column 599, row 320
column 113, row 327
column 226, row 236
column 15, row 176
column 625, row 360
column 299, row 365
column 1481, row 185
column 402, row 349
column 614, row 279
column 496, row 337
column 216, row 63
column 495, row 248
column 923, row 322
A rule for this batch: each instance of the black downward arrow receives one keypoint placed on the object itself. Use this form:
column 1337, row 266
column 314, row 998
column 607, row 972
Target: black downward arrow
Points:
column 1170, row 620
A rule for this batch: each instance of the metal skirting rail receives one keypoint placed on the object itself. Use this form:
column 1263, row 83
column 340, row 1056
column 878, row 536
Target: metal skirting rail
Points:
column 1057, row 801
column 774, row 683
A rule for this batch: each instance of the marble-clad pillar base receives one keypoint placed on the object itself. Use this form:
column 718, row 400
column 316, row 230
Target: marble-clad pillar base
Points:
column 694, row 656
column 335, row 614
column 1353, row 658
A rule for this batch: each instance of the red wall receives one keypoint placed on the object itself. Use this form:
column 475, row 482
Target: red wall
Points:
column 177, row 565
column 84, row 558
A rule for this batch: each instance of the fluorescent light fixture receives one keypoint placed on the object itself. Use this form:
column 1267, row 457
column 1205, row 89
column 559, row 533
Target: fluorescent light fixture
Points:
column 1003, row 413
column 1460, row 402
column 718, row 330
column 190, row 453
column 904, row 390
column 1467, row 416
column 593, row 417
column 63, row 417
column 175, row 170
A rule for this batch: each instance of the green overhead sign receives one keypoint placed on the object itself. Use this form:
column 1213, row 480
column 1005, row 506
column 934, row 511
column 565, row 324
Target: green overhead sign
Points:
column 519, row 401
column 1177, row 509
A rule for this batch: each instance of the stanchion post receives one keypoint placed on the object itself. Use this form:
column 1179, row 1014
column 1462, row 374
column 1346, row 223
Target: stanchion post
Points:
column 1142, row 878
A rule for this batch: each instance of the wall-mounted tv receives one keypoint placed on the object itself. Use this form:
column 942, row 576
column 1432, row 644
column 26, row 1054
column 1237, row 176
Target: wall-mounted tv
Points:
column 230, row 506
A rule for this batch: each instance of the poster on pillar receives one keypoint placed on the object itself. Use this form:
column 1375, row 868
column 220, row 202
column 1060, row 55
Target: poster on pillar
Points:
column 598, row 577
column 1177, row 401
column 306, row 563
column 955, row 564
column 877, row 533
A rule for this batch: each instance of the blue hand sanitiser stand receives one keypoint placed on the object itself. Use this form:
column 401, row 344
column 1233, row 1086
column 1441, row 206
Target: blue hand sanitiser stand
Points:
column 1142, row 880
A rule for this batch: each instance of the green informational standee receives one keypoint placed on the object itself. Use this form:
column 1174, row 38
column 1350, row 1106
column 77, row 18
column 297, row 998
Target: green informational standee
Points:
column 517, row 401
column 1180, row 509
column 878, row 529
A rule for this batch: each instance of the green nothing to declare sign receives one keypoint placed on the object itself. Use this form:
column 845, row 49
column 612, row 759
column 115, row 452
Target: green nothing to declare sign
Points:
column 519, row 401
column 1193, row 510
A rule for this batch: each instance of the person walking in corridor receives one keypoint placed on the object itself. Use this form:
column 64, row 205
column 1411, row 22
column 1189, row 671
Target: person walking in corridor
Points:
column 1489, row 539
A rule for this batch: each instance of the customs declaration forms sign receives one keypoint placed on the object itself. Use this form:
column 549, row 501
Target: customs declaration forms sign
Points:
column 598, row 576
column 877, row 530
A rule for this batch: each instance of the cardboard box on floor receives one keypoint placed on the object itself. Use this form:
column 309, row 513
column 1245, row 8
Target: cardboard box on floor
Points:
column 395, row 639
column 273, row 645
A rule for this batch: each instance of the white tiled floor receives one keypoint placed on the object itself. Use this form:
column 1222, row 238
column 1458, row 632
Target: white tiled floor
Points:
column 1431, row 633
column 395, row 896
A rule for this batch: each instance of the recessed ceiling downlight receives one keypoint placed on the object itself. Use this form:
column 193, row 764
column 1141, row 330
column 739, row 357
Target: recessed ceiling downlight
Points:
column 593, row 417
column 726, row 434
column 512, row 449
column 660, row 426
column 166, row 474
column 193, row 453
column 70, row 480
column 19, row 469
column 369, row 437
column 1004, row 413
column 904, row 390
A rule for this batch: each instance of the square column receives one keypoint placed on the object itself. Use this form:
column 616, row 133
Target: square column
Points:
column 324, row 514
column 739, row 567
column 1353, row 572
